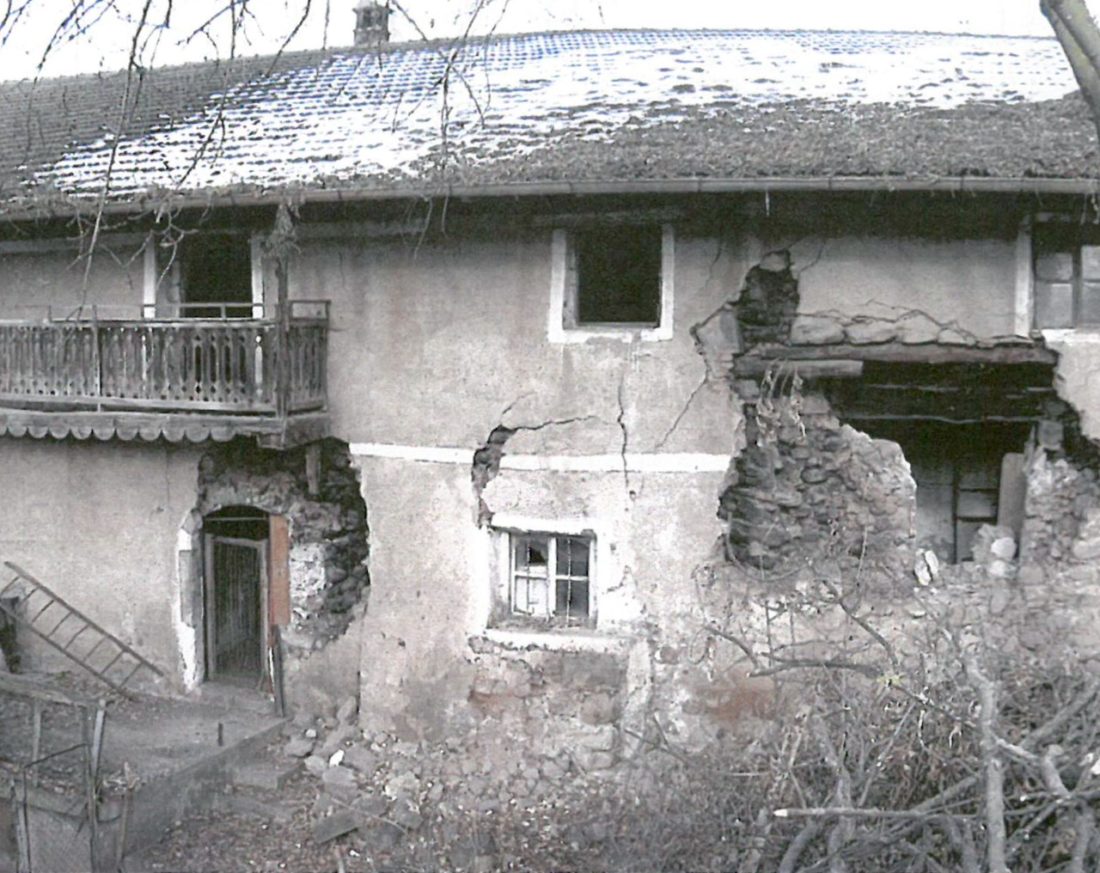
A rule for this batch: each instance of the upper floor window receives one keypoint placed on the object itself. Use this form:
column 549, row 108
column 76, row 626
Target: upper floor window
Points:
column 616, row 277
column 612, row 281
column 1067, row 275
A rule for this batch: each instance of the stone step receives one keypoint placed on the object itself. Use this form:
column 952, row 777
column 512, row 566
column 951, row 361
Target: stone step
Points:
column 234, row 697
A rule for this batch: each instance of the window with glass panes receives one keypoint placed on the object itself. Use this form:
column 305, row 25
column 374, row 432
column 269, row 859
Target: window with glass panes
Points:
column 1067, row 275
column 551, row 577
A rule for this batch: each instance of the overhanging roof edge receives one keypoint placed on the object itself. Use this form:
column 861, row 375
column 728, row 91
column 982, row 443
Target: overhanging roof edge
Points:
column 942, row 184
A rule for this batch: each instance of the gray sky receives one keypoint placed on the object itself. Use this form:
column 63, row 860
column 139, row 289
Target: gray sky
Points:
column 331, row 22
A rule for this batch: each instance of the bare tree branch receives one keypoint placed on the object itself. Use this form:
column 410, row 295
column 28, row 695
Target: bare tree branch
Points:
column 1080, row 39
column 994, row 807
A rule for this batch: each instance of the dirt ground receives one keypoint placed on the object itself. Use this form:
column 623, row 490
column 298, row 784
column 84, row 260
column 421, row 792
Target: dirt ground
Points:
column 147, row 735
column 229, row 840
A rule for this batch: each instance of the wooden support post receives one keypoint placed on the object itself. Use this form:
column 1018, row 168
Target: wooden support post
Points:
column 97, row 364
column 278, row 681
column 97, row 736
column 313, row 469
column 89, row 722
column 120, row 836
column 282, row 339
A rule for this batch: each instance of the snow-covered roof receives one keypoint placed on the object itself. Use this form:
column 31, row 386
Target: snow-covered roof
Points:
column 609, row 106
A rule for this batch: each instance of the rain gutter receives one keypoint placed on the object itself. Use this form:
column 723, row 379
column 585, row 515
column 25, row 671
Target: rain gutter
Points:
column 350, row 195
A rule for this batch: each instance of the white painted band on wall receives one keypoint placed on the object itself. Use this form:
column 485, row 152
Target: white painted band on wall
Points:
column 428, row 454
column 635, row 462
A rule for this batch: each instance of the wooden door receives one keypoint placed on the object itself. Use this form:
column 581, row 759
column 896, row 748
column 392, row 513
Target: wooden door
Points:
column 236, row 608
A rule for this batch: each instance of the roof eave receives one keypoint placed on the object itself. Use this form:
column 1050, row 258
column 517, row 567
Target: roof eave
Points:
column 347, row 195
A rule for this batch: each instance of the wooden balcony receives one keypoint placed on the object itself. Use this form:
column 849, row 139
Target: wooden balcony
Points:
column 231, row 370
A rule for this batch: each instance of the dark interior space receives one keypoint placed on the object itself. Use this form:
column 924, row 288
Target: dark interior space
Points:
column 619, row 275
column 963, row 428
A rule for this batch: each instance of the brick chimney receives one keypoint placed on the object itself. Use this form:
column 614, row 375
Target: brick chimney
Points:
column 372, row 23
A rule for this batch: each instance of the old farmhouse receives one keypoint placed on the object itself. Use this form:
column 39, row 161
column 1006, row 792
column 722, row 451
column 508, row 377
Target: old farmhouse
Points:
column 486, row 380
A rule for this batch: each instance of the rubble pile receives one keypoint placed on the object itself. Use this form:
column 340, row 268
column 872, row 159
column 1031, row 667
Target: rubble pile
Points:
column 393, row 794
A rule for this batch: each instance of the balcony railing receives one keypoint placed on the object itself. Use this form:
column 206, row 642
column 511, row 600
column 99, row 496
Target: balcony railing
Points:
column 229, row 359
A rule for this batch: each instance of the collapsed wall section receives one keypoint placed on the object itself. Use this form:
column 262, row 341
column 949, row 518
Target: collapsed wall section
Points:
column 317, row 490
column 807, row 486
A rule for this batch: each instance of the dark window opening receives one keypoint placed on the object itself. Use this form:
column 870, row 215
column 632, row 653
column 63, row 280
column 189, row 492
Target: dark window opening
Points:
column 618, row 276
column 216, row 269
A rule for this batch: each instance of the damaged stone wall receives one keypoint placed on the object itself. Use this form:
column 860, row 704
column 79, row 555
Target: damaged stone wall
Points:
column 807, row 485
column 329, row 544
column 565, row 704
column 1062, row 509
column 432, row 663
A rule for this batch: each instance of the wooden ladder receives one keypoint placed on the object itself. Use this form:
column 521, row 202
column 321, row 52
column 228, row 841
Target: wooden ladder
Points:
column 33, row 606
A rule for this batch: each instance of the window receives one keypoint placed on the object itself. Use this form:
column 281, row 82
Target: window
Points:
column 213, row 275
column 612, row 281
column 618, row 277
column 1067, row 275
column 549, row 578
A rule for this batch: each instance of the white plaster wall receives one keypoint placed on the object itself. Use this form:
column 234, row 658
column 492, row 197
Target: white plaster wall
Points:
column 431, row 345
column 99, row 523
column 1077, row 376
column 29, row 283
column 432, row 576
column 432, row 349
column 423, row 545
column 971, row 283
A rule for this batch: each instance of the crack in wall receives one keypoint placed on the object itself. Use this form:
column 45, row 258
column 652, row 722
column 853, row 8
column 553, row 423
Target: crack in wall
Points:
column 683, row 412
column 487, row 457
column 620, row 420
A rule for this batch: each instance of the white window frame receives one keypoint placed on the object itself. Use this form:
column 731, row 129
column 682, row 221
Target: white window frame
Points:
column 506, row 612
column 563, row 292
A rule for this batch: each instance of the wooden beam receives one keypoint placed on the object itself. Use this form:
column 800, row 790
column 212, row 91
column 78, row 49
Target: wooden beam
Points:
column 751, row 367
column 902, row 353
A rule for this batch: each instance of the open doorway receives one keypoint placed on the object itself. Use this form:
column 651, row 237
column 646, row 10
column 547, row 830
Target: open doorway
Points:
column 216, row 276
column 242, row 559
column 963, row 474
column 963, row 427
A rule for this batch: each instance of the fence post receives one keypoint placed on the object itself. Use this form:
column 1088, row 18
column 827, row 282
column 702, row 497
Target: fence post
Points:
column 22, row 830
